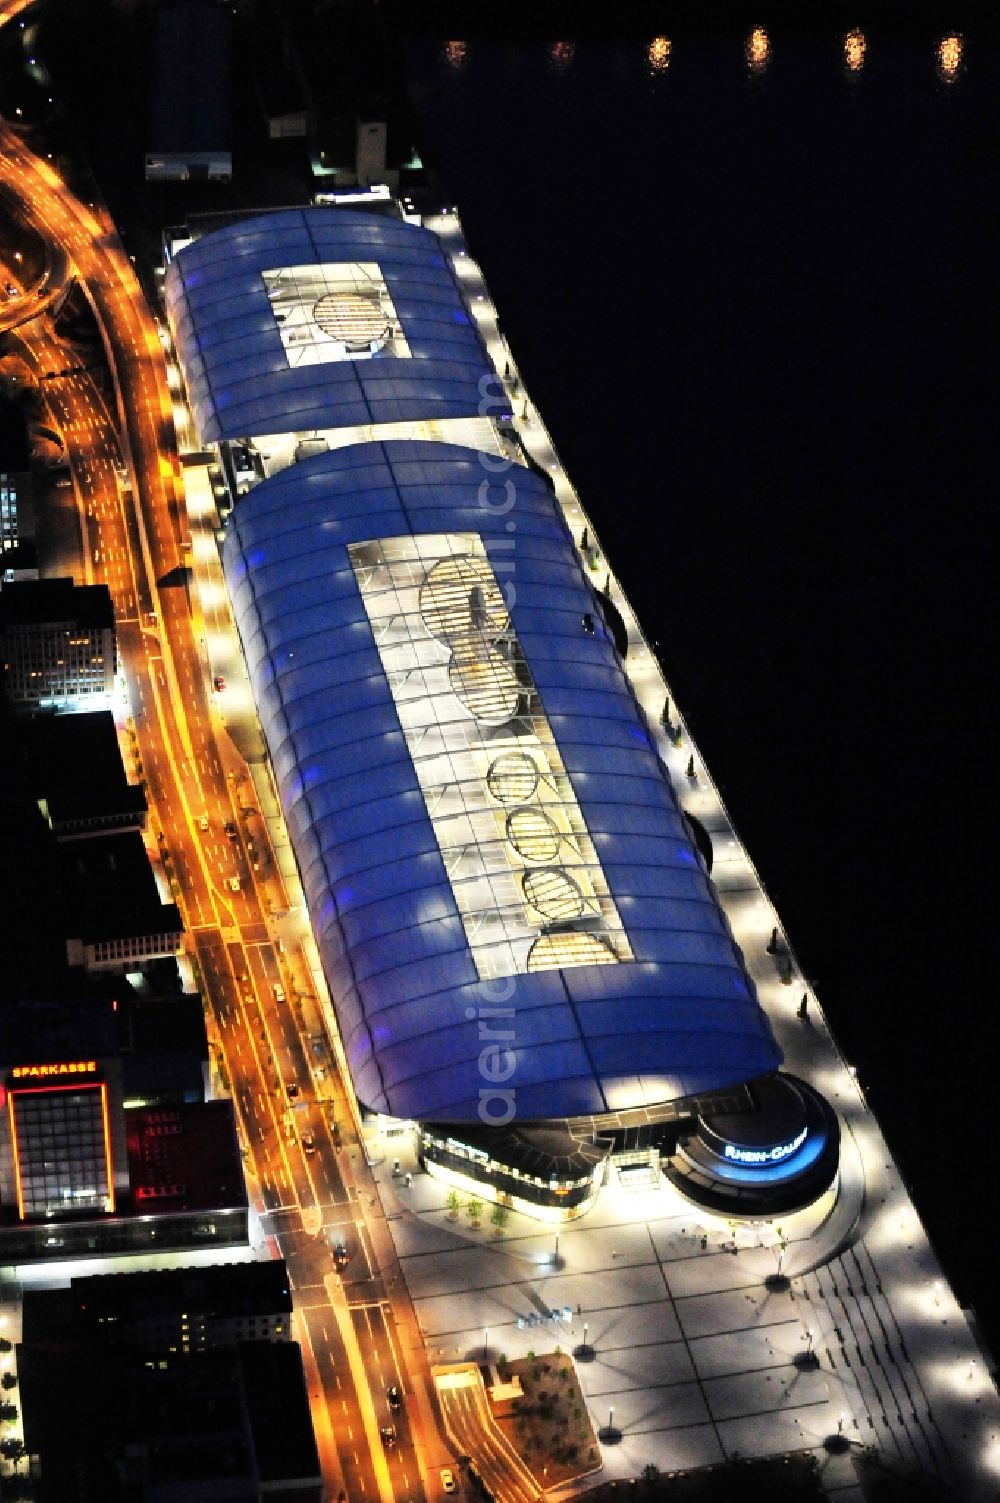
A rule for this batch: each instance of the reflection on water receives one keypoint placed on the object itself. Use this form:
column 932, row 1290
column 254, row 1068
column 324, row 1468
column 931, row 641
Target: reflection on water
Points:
column 949, row 57
column 658, row 56
column 854, row 50
column 561, row 55
column 758, row 49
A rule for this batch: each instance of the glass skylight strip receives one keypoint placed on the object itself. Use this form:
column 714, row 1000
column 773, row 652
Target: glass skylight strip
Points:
column 333, row 311
column 523, row 869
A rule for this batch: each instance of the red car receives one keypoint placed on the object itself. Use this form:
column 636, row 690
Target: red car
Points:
column 219, row 683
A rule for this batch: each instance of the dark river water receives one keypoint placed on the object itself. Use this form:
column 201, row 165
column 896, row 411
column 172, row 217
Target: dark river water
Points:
column 751, row 282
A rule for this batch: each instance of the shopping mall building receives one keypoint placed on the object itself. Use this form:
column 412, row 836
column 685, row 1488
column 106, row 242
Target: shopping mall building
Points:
column 524, row 948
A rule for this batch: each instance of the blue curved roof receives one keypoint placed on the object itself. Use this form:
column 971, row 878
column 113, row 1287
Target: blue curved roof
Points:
column 678, row 1018
column 238, row 377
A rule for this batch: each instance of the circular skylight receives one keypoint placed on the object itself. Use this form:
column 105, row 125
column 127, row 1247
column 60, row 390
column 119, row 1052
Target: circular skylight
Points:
column 355, row 321
column 533, row 835
column 512, row 778
column 460, row 596
column 553, row 894
column 569, row 947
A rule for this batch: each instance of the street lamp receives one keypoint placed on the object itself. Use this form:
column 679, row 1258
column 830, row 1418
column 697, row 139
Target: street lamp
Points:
column 584, row 1352
column 611, row 1434
column 807, row 1361
column 778, row 1282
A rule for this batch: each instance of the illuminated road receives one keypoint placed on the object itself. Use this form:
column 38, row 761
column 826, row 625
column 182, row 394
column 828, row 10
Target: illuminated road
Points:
column 134, row 538
column 470, row 1424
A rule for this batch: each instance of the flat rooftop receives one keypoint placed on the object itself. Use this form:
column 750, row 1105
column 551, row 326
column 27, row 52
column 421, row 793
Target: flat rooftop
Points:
column 278, row 1406
column 190, row 102
column 230, row 1289
column 56, row 1029
column 156, row 1026
column 76, row 765
column 184, row 1158
column 109, row 890
column 40, row 602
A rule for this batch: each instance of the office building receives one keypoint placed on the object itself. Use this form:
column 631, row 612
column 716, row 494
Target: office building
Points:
column 230, row 1423
column 114, row 918
column 190, row 126
column 76, row 766
column 57, row 642
column 83, row 1174
column 18, row 555
column 163, row 1048
column 171, row 1311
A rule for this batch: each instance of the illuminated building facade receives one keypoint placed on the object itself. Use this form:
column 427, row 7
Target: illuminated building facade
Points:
column 57, row 641
column 18, row 554
column 526, row 955
column 61, row 1141
column 62, row 1128
column 81, row 1173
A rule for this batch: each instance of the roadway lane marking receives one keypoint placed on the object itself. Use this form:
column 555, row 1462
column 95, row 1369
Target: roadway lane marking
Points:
column 364, row 1398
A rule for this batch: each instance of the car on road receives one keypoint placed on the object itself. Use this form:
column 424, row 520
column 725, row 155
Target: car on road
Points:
column 341, row 1256
column 203, row 821
column 291, row 1089
column 388, row 1433
column 231, row 830
column 448, row 1480
column 394, row 1396
column 279, row 992
column 219, row 683
column 234, row 884
column 308, row 1141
